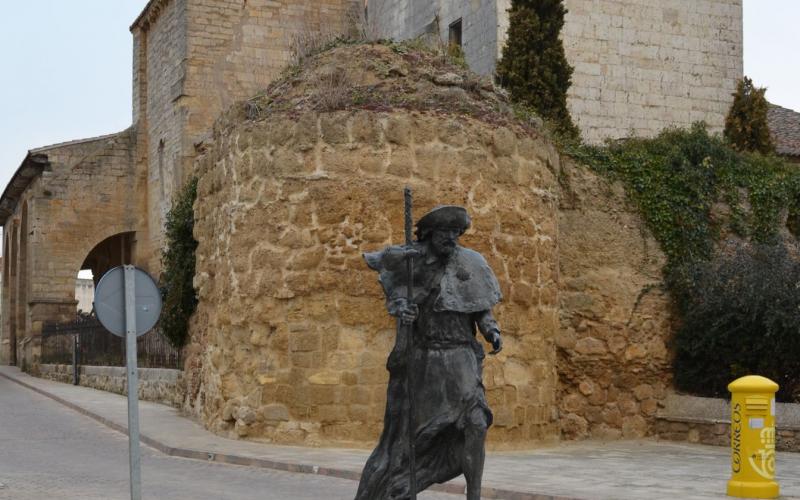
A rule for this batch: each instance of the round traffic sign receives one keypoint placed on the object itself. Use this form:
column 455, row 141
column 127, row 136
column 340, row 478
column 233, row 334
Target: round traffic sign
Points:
column 109, row 301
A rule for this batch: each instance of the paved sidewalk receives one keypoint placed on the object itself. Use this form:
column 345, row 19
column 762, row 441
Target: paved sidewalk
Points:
column 586, row 470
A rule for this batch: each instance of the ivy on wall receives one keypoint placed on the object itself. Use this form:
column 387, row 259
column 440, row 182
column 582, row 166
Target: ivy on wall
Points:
column 178, row 260
column 738, row 309
column 677, row 177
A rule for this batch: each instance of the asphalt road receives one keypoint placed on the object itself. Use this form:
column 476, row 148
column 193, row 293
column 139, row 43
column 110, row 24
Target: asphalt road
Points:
column 48, row 451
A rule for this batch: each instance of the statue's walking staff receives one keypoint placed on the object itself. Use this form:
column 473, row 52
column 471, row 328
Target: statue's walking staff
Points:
column 409, row 333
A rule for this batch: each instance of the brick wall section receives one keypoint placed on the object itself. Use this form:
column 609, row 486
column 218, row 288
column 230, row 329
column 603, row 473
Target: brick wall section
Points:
column 291, row 336
column 640, row 65
column 237, row 48
column 719, row 433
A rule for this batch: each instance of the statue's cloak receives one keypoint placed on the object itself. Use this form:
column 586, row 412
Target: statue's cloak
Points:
column 449, row 394
column 468, row 284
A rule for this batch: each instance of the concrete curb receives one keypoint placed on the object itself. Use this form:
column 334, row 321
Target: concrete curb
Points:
column 486, row 492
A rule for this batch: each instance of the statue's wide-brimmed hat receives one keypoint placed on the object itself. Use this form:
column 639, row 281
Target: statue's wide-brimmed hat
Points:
column 449, row 216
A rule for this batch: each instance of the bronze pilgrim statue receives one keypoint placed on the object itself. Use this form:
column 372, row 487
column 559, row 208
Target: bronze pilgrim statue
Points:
column 435, row 368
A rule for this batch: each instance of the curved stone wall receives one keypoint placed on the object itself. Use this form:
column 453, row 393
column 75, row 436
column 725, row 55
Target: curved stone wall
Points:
column 291, row 337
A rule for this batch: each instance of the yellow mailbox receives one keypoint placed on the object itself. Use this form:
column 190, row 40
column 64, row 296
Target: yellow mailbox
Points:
column 753, row 438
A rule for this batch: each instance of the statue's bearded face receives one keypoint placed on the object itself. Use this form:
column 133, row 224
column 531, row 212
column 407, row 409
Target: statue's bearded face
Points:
column 444, row 240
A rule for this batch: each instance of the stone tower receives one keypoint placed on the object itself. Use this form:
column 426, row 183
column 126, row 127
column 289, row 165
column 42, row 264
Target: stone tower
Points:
column 192, row 60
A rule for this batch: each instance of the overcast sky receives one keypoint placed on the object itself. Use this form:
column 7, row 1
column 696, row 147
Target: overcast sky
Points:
column 67, row 68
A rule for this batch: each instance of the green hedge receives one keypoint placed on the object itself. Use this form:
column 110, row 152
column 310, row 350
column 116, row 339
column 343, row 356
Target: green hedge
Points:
column 740, row 316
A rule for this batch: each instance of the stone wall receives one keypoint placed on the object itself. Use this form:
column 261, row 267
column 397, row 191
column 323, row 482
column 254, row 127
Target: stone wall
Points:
column 613, row 363
column 640, row 65
column 291, row 337
column 192, row 60
column 237, row 48
column 708, row 421
column 160, row 70
column 403, row 19
column 83, row 195
column 159, row 385
column 88, row 190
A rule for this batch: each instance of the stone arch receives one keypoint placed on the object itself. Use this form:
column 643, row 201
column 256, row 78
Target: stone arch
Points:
column 112, row 251
column 60, row 305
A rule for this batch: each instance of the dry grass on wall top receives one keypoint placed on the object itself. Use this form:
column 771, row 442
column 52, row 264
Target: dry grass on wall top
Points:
column 291, row 337
column 385, row 76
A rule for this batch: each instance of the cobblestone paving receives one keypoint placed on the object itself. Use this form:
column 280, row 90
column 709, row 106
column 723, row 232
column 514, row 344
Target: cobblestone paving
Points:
column 48, row 451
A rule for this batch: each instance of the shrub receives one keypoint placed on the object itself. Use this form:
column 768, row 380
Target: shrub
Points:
column 737, row 310
column 746, row 125
column 740, row 316
column 533, row 66
column 178, row 260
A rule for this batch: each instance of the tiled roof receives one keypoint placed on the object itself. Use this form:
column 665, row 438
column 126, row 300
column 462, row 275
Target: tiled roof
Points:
column 784, row 126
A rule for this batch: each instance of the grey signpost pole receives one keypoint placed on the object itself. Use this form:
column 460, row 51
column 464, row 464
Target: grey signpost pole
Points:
column 133, row 383
column 128, row 304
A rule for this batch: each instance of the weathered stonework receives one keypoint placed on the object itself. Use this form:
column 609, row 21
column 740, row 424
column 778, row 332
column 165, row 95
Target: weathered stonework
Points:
column 159, row 385
column 613, row 363
column 291, row 337
column 82, row 194
column 192, row 60
column 640, row 65
column 719, row 433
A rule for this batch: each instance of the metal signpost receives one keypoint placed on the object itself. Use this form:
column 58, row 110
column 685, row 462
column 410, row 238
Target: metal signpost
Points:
column 128, row 304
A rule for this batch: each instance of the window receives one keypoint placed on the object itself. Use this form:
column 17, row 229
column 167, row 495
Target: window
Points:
column 455, row 33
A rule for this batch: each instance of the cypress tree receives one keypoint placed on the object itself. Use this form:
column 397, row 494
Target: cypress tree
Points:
column 746, row 126
column 534, row 67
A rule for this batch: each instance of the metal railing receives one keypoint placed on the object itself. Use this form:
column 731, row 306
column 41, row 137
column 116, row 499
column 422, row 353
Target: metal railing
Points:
column 96, row 346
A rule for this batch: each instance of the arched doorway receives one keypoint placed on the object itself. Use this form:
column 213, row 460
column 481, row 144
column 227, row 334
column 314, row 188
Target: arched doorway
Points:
column 116, row 250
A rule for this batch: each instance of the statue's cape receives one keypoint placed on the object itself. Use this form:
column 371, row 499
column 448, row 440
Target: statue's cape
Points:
column 468, row 284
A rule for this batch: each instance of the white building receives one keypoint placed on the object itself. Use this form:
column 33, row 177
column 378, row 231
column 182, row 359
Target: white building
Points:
column 84, row 294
